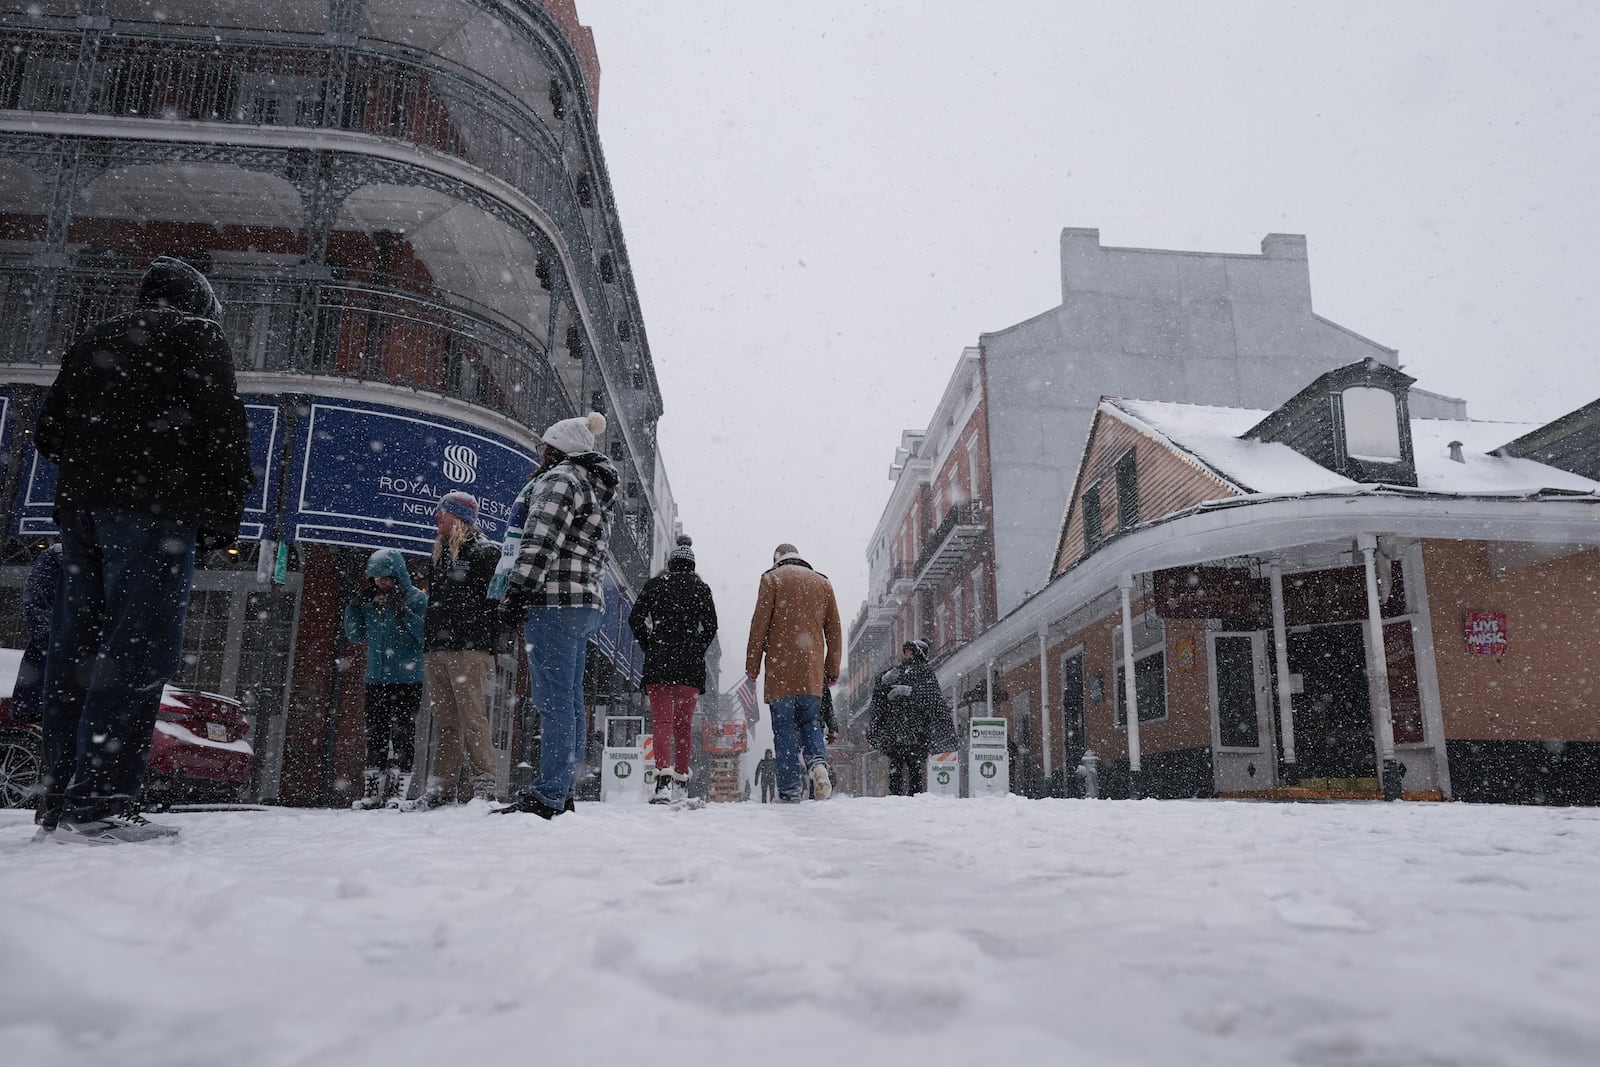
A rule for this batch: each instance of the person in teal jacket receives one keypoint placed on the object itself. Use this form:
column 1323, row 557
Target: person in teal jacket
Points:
column 388, row 616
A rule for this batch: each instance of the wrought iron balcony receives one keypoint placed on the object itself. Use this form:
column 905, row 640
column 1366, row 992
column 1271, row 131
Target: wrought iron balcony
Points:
column 947, row 546
column 364, row 89
column 871, row 624
column 359, row 329
column 902, row 583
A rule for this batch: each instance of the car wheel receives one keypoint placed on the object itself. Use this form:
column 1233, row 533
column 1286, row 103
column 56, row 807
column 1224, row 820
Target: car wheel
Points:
column 20, row 768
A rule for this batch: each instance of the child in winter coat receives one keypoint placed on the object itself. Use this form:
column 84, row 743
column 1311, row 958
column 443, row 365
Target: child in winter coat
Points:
column 389, row 616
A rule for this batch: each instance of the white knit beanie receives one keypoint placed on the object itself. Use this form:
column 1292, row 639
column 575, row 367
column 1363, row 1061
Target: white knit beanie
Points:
column 576, row 435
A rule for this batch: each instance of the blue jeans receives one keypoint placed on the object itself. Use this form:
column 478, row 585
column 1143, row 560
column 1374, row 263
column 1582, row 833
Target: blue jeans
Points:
column 557, row 640
column 115, row 639
column 796, row 732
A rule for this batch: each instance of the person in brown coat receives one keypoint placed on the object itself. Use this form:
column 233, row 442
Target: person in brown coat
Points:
column 796, row 629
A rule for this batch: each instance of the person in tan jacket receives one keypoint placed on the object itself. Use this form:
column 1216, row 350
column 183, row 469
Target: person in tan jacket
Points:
column 796, row 629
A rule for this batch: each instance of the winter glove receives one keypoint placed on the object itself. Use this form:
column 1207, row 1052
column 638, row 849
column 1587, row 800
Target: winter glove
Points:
column 514, row 607
column 900, row 692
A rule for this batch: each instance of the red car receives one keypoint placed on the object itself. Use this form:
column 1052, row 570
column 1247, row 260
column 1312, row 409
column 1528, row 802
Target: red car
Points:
column 200, row 749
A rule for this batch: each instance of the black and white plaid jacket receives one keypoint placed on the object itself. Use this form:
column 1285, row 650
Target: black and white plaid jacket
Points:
column 561, row 561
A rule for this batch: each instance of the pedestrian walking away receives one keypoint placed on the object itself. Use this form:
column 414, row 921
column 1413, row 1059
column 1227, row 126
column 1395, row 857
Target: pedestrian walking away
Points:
column 767, row 778
column 554, row 586
column 388, row 614
column 908, row 713
column 795, row 633
column 458, row 653
column 146, row 428
column 674, row 621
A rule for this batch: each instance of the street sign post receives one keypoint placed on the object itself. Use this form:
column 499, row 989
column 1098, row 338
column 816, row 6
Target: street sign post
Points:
column 944, row 774
column 622, row 762
column 988, row 762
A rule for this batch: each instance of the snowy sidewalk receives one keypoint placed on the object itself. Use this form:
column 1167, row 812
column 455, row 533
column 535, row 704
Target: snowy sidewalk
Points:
column 879, row 932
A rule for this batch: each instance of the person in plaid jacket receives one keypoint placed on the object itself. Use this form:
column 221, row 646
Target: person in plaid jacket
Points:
column 553, row 570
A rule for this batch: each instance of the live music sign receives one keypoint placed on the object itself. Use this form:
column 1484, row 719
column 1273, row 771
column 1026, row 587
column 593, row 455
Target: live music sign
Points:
column 1486, row 633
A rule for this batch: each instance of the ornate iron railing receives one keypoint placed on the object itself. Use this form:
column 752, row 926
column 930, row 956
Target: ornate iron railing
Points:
column 969, row 514
column 361, row 89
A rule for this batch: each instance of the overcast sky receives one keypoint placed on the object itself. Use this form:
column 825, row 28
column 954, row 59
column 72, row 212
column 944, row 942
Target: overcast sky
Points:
column 825, row 202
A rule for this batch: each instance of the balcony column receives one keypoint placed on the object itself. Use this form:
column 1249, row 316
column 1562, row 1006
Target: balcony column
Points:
column 1044, row 701
column 344, row 19
column 62, row 179
column 1378, row 674
column 1130, row 687
column 321, row 196
column 1280, row 647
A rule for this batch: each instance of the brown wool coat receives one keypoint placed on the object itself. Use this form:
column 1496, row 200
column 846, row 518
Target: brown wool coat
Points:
column 796, row 626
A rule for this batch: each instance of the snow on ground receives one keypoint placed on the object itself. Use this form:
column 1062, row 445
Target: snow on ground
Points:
column 924, row 931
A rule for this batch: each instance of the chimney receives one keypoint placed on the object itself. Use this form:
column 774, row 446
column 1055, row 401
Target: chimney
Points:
column 1455, row 452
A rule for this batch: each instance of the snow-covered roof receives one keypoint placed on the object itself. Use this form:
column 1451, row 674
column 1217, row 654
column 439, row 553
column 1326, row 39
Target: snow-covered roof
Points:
column 1211, row 436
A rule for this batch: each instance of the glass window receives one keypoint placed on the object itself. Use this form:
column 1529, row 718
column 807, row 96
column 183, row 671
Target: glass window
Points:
column 205, row 642
column 1238, row 716
column 1371, row 424
column 1405, row 694
column 1150, row 675
column 1149, row 671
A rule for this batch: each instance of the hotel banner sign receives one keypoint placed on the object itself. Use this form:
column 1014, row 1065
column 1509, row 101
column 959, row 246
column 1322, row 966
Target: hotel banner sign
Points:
column 369, row 476
column 33, row 513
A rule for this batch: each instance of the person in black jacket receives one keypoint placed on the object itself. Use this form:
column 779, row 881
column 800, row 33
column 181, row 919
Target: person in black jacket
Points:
column 38, row 604
column 149, row 434
column 458, row 650
column 674, row 620
column 907, row 704
column 767, row 778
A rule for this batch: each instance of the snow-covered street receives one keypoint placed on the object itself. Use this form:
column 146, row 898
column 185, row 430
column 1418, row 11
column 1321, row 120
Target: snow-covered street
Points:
column 890, row 931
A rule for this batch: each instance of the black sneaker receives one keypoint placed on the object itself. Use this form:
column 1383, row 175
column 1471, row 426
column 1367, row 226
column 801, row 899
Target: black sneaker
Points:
column 47, row 814
column 532, row 805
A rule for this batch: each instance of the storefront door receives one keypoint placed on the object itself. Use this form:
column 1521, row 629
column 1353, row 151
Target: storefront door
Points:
column 1332, row 710
column 1241, row 703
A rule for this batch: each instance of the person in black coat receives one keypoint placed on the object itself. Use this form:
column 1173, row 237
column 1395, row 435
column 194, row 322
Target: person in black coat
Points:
column 458, row 651
column 767, row 778
column 146, row 427
column 38, row 604
column 674, row 620
column 907, row 705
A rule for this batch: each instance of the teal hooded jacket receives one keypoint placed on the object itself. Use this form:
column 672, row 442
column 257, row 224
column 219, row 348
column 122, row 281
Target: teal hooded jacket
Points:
column 392, row 631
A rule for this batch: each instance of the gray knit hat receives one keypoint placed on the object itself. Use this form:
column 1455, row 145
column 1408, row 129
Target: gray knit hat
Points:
column 683, row 553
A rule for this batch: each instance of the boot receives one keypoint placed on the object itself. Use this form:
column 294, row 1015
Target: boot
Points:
column 483, row 787
column 680, row 786
column 821, row 783
column 371, row 790
column 664, row 784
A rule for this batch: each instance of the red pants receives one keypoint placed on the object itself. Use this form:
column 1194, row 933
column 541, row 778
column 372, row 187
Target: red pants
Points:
column 672, row 712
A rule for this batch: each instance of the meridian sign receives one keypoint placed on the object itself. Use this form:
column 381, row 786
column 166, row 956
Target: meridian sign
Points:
column 988, row 760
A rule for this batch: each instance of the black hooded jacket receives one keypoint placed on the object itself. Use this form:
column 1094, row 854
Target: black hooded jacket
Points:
column 144, row 414
column 675, row 621
column 911, row 720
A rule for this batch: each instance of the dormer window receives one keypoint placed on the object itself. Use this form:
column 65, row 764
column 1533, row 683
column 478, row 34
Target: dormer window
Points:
column 1371, row 424
column 1353, row 420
